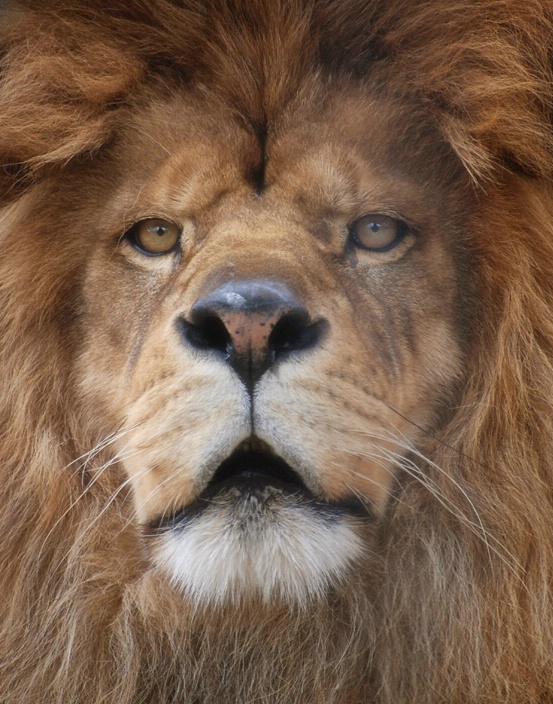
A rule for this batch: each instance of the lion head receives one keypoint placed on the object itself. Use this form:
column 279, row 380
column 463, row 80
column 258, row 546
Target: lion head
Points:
column 276, row 284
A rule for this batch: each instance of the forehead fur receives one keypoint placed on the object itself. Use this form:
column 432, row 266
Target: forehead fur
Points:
column 480, row 69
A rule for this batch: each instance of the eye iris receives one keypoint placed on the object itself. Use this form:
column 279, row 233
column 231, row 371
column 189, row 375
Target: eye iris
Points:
column 377, row 232
column 156, row 236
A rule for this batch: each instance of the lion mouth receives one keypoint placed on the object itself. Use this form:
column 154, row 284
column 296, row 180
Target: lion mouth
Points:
column 254, row 465
column 254, row 475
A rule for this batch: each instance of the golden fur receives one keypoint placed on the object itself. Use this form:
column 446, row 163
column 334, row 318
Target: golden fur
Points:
column 456, row 602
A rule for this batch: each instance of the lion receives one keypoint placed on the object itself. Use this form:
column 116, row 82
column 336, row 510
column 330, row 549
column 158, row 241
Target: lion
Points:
column 277, row 352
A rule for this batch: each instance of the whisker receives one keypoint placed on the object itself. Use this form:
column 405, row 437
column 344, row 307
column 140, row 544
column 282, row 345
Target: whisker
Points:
column 412, row 469
column 432, row 435
column 121, row 454
column 134, row 516
column 128, row 481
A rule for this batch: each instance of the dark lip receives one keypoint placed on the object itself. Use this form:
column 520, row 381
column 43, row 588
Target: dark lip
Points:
column 254, row 468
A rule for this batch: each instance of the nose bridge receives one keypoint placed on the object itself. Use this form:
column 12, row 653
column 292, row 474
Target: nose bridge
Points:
column 254, row 237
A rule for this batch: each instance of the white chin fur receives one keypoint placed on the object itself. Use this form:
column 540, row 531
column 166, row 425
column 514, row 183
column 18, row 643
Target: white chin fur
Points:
column 294, row 557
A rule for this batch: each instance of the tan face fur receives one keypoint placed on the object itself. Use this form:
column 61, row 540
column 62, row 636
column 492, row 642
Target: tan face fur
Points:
column 341, row 412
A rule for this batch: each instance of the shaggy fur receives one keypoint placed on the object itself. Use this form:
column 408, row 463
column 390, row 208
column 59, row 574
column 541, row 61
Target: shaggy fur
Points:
column 459, row 607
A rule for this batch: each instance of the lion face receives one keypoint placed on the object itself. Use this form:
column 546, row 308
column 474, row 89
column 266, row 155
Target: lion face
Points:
column 270, row 325
column 276, row 352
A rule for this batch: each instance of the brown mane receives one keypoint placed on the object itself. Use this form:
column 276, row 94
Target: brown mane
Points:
column 462, row 609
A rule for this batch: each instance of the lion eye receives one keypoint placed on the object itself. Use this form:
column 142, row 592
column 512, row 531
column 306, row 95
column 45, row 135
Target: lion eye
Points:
column 377, row 233
column 155, row 236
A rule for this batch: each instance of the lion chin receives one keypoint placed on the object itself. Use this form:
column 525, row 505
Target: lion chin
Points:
column 258, row 542
column 276, row 352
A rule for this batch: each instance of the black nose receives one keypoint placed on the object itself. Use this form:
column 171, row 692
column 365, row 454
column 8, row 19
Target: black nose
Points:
column 254, row 323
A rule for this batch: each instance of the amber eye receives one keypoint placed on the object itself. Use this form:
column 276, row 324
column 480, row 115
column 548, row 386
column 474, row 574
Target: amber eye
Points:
column 155, row 236
column 377, row 233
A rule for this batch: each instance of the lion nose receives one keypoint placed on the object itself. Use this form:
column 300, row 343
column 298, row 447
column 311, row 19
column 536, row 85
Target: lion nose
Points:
column 254, row 323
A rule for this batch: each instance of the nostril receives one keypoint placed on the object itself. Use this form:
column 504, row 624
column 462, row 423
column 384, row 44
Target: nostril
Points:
column 252, row 324
column 294, row 332
column 207, row 332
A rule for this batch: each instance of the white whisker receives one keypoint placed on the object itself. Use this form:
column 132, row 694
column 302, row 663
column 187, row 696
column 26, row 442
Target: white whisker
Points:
column 401, row 461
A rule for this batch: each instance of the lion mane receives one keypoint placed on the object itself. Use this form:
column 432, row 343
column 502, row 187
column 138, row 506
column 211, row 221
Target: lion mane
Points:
column 459, row 605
